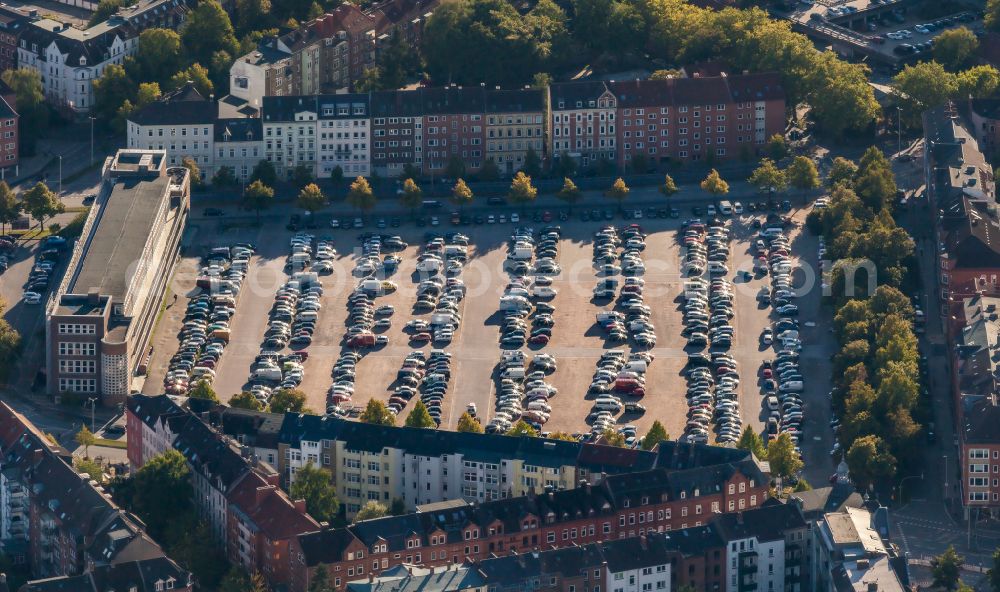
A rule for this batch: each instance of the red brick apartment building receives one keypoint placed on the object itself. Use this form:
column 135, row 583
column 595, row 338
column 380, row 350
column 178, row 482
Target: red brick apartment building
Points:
column 676, row 120
column 66, row 528
column 621, row 506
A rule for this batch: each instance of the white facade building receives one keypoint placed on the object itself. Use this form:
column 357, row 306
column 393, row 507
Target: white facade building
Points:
column 182, row 123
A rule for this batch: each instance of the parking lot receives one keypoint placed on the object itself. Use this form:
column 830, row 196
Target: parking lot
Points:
column 577, row 341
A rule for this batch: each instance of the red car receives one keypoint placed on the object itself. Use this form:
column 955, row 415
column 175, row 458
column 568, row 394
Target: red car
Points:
column 425, row 336
column 539, row 339
column 547, row 217
column 766, row 373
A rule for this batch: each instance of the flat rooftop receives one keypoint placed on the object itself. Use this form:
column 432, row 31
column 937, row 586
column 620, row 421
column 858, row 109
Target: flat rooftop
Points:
column 80, row 305
column 124, row 225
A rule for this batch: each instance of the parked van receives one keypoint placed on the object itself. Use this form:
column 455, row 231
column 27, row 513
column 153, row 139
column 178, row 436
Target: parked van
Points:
column 612, row 405
column 792, row 386
column 267, row 373
column 725, row 208
column 307, row 315
column 772, row 403
column 516, row 373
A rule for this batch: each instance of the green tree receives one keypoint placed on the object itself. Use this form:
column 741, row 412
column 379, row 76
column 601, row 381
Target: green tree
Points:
column 111, row 90
column 841, row 171
column 237, row 580
column 521, row 190
column 302, row 176
column 802, row 485
column 782, row 457
column 564, row 165
column 10, row 345
column 41, row 203
column 369, row 81
column 10, row 208
column 921, row 87
column 361, row 195
column 946, row 569
column 412, row 195
column 420, row 417
column 611, row 437
column 264, row 172
column 148, row 93
column 489, row 171
column 246, row 400
column 978, row 82
column 105, row 9
column 320, row 581
column 802, row 174
column 869, row 460
column 455, row 167
column 192, row 166
column 768, row 177
column 313, row 484
column 991, row 18
column 777, row 147
column 569, row 192
column 196, row 74
column 751, row 441
column 158, row 56
column 532, row 163
column 397, row 61
column 258, row 196
column 85, row 438
column 669, row 188
column 311, row 198
column 993, row 574
column 253, row 15
column 224, row 178
column 377, row 413
column 619, row 191
column 639, row 164
column 371, row 511
column 521, row 428
column 90, row 468
column 953, row 48
column 336, row 175
column 207, row 30
column 714, row 185
column 656, row 434
column 30, row 105
column 397, row 507
column 162, row 492
column 203, row 390
column 467, row 423
column 839, row 93
column 288, row 400
column 562, row 436
column 461, row 195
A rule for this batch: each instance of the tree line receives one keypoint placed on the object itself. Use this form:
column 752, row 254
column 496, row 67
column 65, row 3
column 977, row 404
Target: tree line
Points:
column 876, row 373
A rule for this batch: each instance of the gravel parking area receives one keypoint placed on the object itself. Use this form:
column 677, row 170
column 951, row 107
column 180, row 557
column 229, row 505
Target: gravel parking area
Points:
column 577, row 342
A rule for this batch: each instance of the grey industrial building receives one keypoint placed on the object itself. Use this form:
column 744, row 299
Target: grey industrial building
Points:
column 99, row 320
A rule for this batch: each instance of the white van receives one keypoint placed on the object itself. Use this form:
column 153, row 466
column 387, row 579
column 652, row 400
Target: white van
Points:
column 608, row 405
column 725, row 208
column 307, row 315
column 772, row 403
column 792, row 386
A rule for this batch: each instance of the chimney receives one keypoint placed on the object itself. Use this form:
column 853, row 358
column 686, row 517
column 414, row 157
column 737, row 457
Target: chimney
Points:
column 300, row 505
column 643, row 542
column 872, row 586
column 371, row 577
column 93, row 296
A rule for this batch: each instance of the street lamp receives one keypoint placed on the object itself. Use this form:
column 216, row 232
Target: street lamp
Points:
column 92, row 118
column 903, row 480
column 60, row 174
column 93, row 407
column 899, row 129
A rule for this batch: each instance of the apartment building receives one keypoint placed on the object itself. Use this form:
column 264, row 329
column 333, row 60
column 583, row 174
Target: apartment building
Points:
column 10, row 121
column 238, row 146
column 181, row 123
column 851, row 553
column 621, row 506
column 767, row 549
column 320, row 132
column 327, row 54
column 960, row 186
column 12, row 22
column 428, row 127
column 383, row 463
column 69, row 532
column 99, row 319
column 675, row 120
column 70, row 59
column 236, row 492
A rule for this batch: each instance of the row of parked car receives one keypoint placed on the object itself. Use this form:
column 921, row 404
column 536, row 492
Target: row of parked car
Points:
column 712, row 378
column 439, row 265
column 434, row 384
column 617, row 375
column 522, row 391
column 342, row 390
column 781, row 379
column 634, row 317
column 205, row 332
column 371, row 264
column 50, row 251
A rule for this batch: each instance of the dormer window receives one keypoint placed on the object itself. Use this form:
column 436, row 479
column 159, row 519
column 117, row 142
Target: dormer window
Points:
column 83, row 61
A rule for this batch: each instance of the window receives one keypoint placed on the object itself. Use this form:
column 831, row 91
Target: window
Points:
column 77, row 366
column 77, row 385
column 77, row 329
column 73, row 348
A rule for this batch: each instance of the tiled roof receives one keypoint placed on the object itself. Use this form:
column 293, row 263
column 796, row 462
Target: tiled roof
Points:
column 151, row 408
column 697, row 90
column 269, row 508
column 243, row 129
column 182, row 106
column 982, row 421
column 767, row 523
column 573, row 504
column 211, row 455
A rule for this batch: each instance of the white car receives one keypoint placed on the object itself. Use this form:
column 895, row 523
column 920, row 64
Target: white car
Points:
column 544, row 292
column 32, row 298
column 737, row 208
